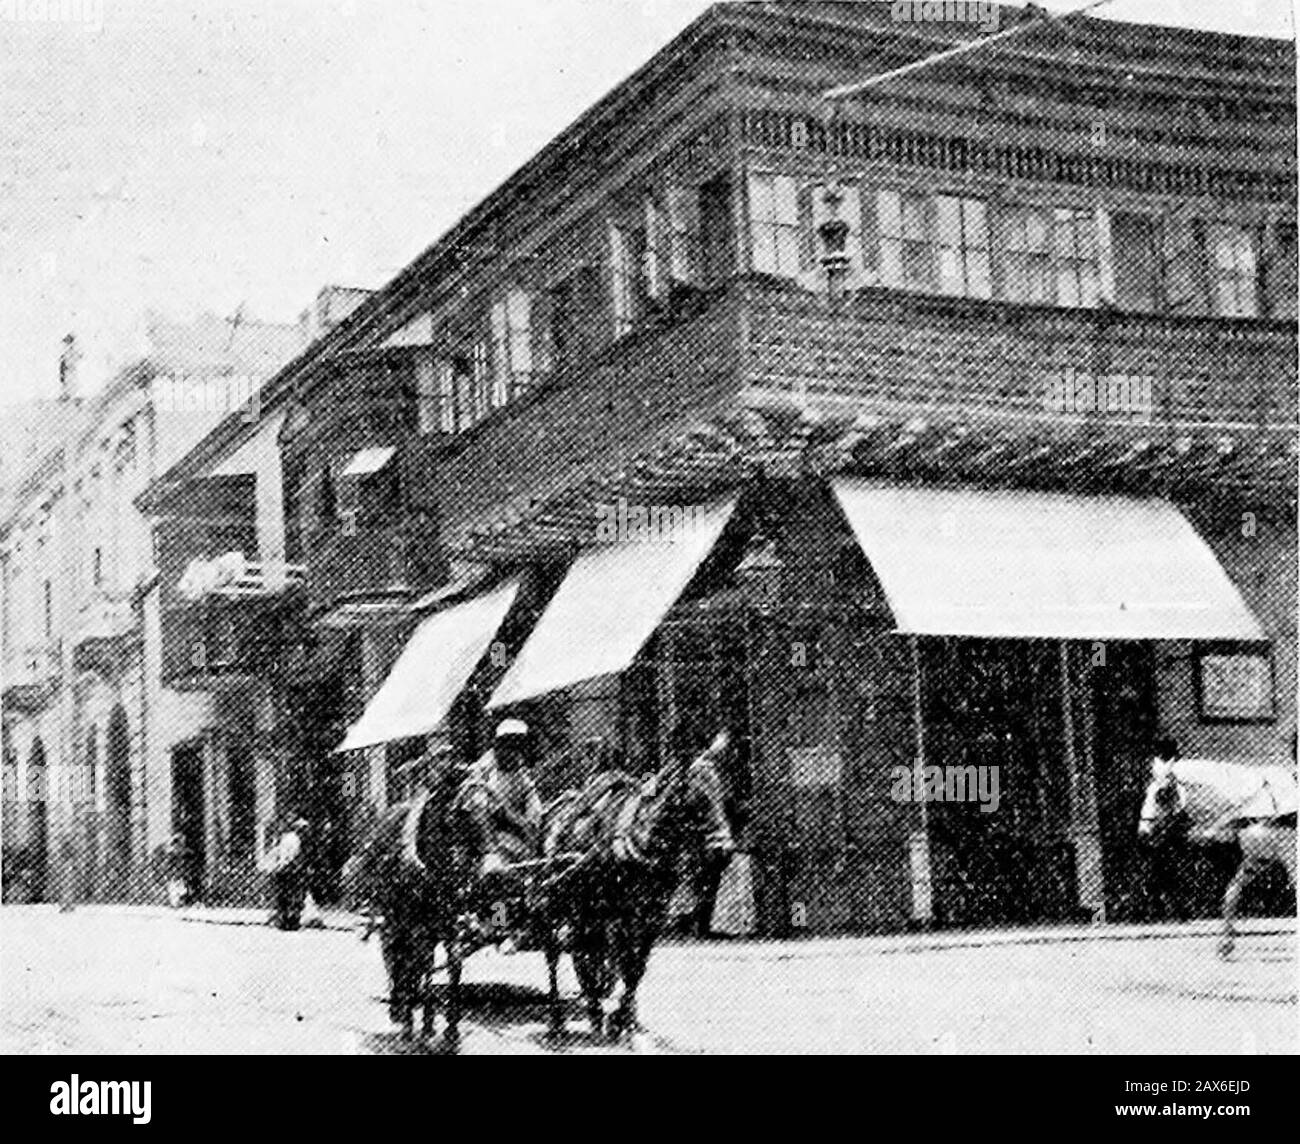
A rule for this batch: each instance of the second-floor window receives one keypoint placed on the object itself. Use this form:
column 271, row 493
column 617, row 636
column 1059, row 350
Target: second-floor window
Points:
column 512, row 347
column 1027, row 258
column 774, row 224
column 1050, row 256
column 627, row 251
column 1136, row 261
column 963, row 247
column 1075, row 242
column 1232, row 271
column 435, row 395
column 671, row 228
column 907, row 246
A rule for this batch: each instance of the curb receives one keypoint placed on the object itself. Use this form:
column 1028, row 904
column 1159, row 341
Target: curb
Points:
column 854, row 945
column 341, row 924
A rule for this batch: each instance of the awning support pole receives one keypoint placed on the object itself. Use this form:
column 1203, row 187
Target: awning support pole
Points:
column 1083, row 811
column 919, row 840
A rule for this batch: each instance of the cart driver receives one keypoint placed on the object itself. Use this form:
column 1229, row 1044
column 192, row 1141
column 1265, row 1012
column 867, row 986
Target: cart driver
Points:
column 507, row 808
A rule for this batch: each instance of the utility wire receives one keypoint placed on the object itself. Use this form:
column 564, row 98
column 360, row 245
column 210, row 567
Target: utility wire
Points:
column 851, row 89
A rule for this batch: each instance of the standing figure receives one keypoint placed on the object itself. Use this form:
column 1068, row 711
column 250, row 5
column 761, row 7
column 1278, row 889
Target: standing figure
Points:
column 176, row 857
column 287, row 865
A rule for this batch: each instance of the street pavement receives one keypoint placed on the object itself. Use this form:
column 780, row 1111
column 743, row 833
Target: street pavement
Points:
column 109, row 979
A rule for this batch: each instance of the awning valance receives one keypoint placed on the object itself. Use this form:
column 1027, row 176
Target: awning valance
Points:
column 431, row 672
column 1013, row 564
column 610, row 603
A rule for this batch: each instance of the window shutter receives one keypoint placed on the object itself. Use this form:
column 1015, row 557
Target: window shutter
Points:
column 446, row 396
column 543, row 350
column 889, row 221
column 1277, row 266
column 654, row 248
column 808, row 245
column 869, row 237
column 1183, row 259
column 1105, row 259
column 684, row 234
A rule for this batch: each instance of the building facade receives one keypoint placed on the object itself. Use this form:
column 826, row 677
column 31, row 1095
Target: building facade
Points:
column 85, row 715
column 945, row 431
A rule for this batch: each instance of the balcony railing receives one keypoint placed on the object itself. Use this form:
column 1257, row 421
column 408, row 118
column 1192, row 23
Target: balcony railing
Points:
column 392, row 561
column 880, row 350
column 105, row 616
column 31, row 674
column 221, row 636
column 232, row 577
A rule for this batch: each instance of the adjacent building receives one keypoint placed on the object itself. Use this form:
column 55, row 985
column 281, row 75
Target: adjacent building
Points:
column 941, row 433
column 85, row 718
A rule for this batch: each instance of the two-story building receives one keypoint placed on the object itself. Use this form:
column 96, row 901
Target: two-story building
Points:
column 84, row 711
column 937, row 437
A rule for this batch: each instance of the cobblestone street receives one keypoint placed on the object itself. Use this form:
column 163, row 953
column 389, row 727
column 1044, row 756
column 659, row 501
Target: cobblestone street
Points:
column 110, row 979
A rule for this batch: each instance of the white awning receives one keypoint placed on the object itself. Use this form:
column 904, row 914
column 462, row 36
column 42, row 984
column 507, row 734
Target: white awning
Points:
column 369, row 461
column 431, row 672
column 610, row 603
column 1010, row 564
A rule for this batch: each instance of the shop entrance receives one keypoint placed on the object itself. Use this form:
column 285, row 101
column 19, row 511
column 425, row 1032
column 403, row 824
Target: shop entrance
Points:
column 995, row 706
column 188, row 817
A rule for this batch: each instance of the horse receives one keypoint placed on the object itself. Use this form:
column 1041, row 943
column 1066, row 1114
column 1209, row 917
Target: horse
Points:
column 418, row 870
column 1206, row 800
column 613, row 898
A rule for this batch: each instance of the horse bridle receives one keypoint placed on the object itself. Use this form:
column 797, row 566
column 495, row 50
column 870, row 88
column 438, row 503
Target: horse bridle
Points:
column 1158, row 787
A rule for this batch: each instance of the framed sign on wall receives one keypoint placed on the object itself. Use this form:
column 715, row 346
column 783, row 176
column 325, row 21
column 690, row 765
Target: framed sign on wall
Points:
column 1234, row 683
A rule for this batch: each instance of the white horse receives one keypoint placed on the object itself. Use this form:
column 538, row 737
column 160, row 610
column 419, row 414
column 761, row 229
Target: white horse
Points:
column 1253, row 805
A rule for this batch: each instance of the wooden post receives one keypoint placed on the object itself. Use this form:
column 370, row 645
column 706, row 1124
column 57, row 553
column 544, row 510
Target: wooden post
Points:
column 1083, row 800
column 919, row 840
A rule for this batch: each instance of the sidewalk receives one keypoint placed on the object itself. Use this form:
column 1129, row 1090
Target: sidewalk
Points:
column 850, row 945
column 809, row 947
column 233, row 915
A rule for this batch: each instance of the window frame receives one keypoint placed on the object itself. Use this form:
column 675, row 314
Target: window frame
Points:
column 1241, row 277
column 784, row 234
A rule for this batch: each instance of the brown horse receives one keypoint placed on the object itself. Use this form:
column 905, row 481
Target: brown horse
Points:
column 609, row 906
column 418, row 870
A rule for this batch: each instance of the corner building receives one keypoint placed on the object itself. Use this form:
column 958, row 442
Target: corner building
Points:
column 975, row 401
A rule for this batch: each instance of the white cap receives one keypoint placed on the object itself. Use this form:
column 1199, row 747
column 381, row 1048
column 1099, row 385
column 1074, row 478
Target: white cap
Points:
column 511, row 728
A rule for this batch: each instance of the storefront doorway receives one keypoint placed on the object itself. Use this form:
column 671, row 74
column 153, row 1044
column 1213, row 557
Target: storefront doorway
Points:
column 1001, row 857
column 188, row 812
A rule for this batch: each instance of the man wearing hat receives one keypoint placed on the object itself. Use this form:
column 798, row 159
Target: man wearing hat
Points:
column 508, row 809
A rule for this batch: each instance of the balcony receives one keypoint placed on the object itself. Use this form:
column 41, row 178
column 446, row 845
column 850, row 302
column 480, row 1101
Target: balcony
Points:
column 105, row 616
column 231, row 577
column 373, row 568
column 952, row 387
column 31, row 676
column 223, row 639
